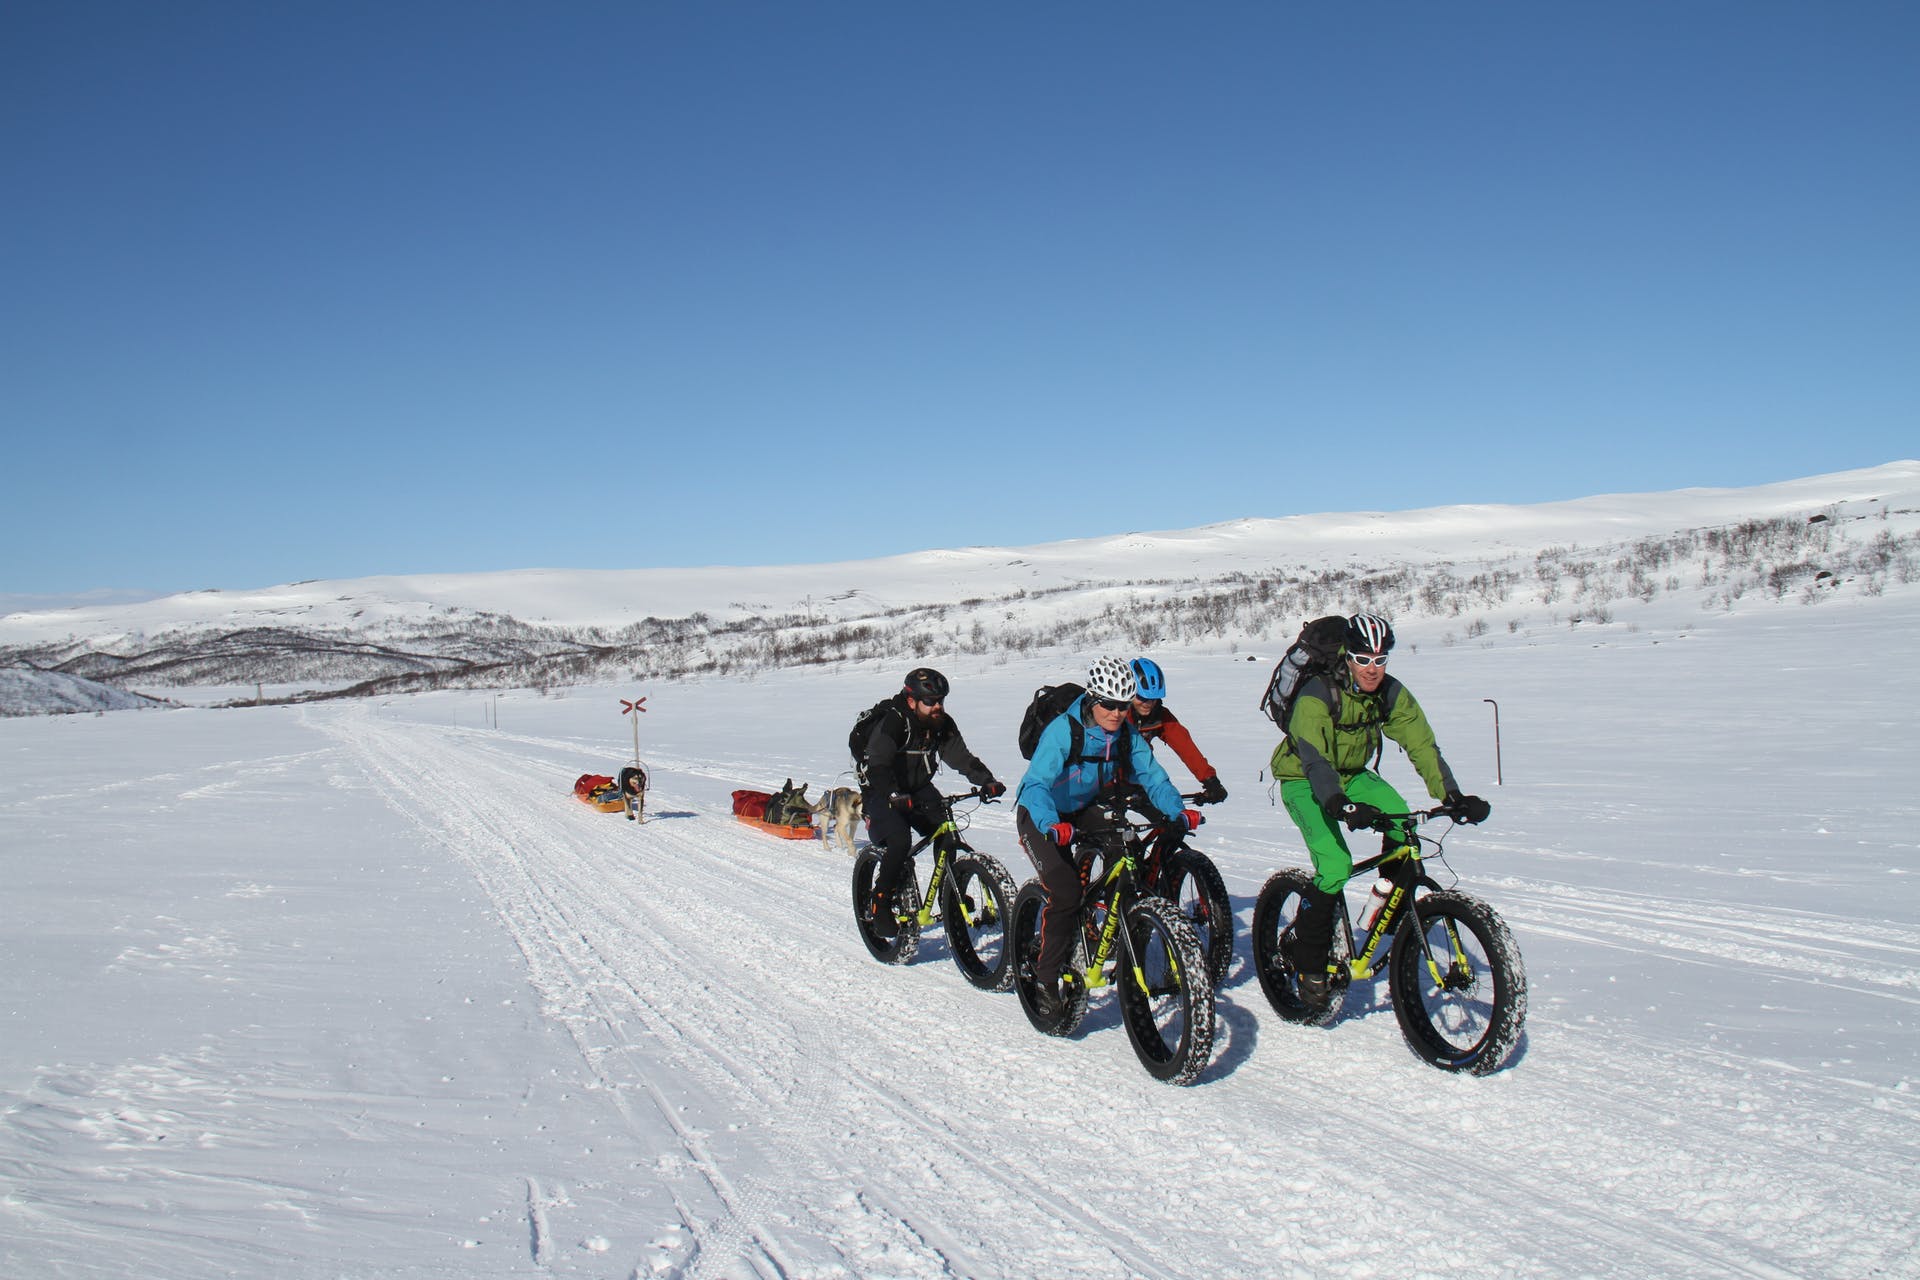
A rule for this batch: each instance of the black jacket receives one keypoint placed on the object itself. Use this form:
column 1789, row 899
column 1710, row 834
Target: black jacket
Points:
column 901, row 753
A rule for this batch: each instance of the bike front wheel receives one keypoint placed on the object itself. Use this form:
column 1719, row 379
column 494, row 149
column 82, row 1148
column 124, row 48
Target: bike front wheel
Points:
column 1459, row 988
column 904, row 945
column 1192, row 883
column 1166, row 993
column 1273, row 915
column 977, row 909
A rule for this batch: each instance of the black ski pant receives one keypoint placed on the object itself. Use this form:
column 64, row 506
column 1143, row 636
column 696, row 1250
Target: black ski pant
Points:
column 893, row 830
column 1061, row 879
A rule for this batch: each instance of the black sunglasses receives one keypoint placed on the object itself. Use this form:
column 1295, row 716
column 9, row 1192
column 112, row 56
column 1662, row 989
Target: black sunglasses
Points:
column 1108, row 704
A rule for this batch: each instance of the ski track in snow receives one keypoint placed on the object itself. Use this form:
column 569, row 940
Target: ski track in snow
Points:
column 908, row 1125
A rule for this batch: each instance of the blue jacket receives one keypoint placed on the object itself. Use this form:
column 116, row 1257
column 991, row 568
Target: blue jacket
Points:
column 1053, row 785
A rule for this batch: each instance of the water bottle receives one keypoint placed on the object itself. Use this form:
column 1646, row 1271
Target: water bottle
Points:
column 1376, row 899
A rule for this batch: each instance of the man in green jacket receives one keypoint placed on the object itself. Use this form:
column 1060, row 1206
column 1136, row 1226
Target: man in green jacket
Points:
column 1334, row 733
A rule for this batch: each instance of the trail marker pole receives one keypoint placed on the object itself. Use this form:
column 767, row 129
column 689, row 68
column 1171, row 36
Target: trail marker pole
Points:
column 634, row 709
column 629, row 709
column 1498, row 781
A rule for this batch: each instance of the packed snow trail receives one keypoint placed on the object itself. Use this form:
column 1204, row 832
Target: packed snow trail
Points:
column 816, row 1113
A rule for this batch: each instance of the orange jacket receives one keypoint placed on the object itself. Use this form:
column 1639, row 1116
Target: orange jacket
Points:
column 1162, row 723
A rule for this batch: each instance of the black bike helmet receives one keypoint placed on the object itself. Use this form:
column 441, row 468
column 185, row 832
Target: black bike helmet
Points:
column 924, row 684
column 1369, row 633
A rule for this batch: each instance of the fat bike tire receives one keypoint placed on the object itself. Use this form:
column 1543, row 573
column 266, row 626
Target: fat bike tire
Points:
column 904, row 945
column 1024, row 934
column 977, row 911
column 1192, row 883
column 1166, row 992
column 1469, row 1017
column 1273, row 915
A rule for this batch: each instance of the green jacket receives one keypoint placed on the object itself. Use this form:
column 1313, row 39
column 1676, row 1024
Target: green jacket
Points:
column 1327, row 753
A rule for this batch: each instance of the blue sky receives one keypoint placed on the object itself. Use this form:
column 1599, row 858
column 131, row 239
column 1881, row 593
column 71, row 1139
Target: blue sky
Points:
column 304, row 290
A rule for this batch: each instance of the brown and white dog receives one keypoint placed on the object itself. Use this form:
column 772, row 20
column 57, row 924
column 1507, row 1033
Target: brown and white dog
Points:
column 843, row 815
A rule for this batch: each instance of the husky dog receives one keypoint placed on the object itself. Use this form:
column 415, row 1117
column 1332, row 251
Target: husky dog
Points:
column 633, row 788
column 841, row 805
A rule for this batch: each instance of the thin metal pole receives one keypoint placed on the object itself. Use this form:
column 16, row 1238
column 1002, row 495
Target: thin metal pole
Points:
column 1498, row 780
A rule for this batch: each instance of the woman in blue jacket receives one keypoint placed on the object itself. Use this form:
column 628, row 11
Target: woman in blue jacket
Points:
column 1060, row 782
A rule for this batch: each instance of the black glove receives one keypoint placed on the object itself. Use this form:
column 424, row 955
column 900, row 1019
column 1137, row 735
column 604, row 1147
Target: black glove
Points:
column 1212, row 791
column 1468, row 808
column 1356, row 816
column 900, row 801
column 993, row 789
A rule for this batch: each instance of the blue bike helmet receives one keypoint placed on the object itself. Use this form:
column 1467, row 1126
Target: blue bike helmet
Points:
column 1152, row 681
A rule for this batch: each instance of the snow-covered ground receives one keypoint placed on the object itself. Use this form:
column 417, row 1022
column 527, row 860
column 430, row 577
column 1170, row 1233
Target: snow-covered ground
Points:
column 358, row 990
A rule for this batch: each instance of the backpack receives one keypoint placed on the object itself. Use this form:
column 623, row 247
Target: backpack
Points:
column 861, row 735
column 1049, row 701
column 1315, row 653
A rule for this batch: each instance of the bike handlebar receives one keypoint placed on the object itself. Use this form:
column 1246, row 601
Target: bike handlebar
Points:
column 1417, row 815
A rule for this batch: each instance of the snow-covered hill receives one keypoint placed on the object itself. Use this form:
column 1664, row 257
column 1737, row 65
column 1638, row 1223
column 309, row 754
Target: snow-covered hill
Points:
column 1357, row 541
column 25, row 691
column 1446, row 574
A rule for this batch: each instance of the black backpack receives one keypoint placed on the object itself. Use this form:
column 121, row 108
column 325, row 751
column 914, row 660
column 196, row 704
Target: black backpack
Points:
column 1049, row 702
column 861, row 736
column 1315, row 653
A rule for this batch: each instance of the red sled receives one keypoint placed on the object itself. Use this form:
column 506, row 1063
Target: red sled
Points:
column 750, row 807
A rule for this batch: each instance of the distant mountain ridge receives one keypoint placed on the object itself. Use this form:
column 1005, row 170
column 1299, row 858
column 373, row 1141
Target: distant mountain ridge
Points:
column 1243, row 580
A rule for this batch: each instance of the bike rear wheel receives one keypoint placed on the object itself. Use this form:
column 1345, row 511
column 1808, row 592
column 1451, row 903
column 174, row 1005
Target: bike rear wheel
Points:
column 905, row 942
column 977, row 907
column 1273, row 916
column 1166, row 993
column 1464, row 1010
column 1192, row 883
column 1025, row 934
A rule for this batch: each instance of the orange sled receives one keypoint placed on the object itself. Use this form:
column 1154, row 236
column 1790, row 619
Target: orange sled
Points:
column 598, row 790
column 750, row 807
column 608, row 796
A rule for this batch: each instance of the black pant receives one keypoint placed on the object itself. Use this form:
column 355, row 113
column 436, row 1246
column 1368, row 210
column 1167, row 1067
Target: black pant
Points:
column 1061, row 879
column 893, row 830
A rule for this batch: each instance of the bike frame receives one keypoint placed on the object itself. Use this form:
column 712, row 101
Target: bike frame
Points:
column 1160, row 841
column 947, row 843
column 1119, row 887
column 1368, row 961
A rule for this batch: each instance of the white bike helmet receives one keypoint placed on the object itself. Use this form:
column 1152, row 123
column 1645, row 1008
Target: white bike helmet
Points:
column 1112, row 679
